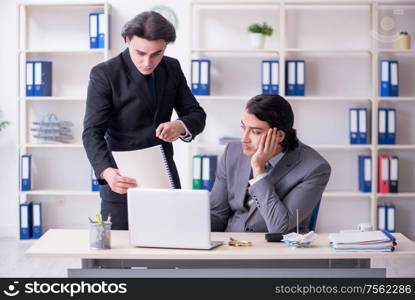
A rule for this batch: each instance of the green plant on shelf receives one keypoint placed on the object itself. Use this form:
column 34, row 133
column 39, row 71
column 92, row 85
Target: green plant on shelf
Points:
column 264, row 29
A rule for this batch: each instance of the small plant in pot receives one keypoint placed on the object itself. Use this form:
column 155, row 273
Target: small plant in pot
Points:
column 258, row 33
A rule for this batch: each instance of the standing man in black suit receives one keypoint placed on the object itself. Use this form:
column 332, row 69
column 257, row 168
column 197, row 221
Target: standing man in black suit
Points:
column 130, row 102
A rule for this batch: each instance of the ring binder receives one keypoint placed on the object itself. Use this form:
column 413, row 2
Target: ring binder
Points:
column 166, row 164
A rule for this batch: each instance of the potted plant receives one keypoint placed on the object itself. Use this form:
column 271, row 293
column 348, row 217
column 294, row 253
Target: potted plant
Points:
column 258, row 33
column 3, row 124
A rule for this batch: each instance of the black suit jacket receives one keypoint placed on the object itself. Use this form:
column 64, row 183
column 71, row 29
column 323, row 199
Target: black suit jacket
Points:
column 120, row 114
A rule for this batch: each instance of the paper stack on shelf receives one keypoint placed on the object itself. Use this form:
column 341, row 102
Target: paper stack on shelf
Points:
column 364, row 241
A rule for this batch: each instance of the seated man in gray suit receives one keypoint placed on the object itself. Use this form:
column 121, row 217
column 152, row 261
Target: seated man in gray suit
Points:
column 262, row 180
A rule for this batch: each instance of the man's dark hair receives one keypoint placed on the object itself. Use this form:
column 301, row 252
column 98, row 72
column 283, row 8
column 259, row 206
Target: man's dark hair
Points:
column 151, row 26
column 277, row 112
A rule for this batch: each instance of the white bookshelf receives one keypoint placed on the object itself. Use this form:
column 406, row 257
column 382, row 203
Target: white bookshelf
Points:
column 341, row 43
column 59, row 170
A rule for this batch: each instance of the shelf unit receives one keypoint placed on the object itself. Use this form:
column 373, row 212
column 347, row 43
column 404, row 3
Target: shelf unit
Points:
column 70, row 72
column 284, row 15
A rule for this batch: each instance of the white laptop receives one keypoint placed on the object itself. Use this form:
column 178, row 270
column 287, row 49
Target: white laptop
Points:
column 169, row 218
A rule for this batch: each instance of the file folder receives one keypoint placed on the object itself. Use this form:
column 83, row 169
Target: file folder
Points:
column 394, row 78
column 103, row 29
column 266, row 77
column 391, row 126
column 209, row 163
column 291, row 78
column 30, row 91
column 195, row 77
column 353, row 125
column 363, row 125
column 300, row 78
column 394, row 177
column 204, row 77
column 201, row 77
column 275, row 77
column 390, row 217
column 197, row 172
column 43, row 78
column 36, row 220
column 382, row 124
column 384, row 78
column 94, row 182
column 25, row 172
column 365, row 173
column 25, row 220
column 383, row 174
column 381, row 217
column 93, row 30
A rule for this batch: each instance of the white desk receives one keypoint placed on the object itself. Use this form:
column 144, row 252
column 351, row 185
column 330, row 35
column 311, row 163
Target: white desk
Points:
column 263, row 259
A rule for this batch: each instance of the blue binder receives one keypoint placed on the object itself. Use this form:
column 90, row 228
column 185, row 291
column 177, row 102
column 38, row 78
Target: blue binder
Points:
column 25, row 172
column 36, row 220
column 103, row 29
column 204, row 88
column 363, row 137
column 365, row 173
column 94, row 182
column 43, row 78
column 382, row 217
column 93, row 31
column 275, row 78
column 384, row 78
column 390, row 218
column 290, row 87
column 300, row 78
column 382, row 125
column 209, row 163
column 353, row 125
column 266, row 77
column 201, row 77
column 391, row 126
column 394, row 78
column 30, row 88
column 389, row 78
column 25, row 220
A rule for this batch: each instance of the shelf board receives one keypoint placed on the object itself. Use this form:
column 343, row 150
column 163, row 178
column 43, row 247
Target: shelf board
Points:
column 292, row 98
column 326, row 98
column 330, row 51
column 53, row 99
column 67, row 146
column 396, row 99
column 394, row 51
column 247, row 51
column 222, row 98
column 346, row 194
column 62, row 51
column 341, row 147
column 322, row 146
column 60, row 193
column 83, row 5
column 397, row 147
column 398, row 195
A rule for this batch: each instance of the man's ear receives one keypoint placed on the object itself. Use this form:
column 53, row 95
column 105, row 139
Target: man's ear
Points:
column 127, row 41
column 281, row 135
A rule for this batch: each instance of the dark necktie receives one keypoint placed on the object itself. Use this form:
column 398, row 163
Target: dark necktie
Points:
column 152, row 88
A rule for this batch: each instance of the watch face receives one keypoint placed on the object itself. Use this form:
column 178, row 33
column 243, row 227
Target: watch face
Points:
column 168, row 13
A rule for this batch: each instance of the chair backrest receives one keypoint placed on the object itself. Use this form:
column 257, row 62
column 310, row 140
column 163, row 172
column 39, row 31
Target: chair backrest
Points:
column 314, row 214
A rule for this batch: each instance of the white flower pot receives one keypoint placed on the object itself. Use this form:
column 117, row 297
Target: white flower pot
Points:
column 257, row 40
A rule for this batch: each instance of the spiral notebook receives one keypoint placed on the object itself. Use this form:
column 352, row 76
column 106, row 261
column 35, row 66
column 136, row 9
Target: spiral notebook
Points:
column 148, row 166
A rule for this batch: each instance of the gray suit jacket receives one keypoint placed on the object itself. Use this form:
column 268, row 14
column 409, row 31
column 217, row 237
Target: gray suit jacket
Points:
column 297, row 181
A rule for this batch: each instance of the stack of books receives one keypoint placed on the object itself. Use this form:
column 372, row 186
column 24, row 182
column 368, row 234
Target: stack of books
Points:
column 363, row 241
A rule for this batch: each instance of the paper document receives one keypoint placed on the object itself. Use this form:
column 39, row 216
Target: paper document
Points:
column 147, row 166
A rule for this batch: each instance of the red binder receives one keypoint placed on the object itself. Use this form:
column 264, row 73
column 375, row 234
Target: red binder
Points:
column 383, row 185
